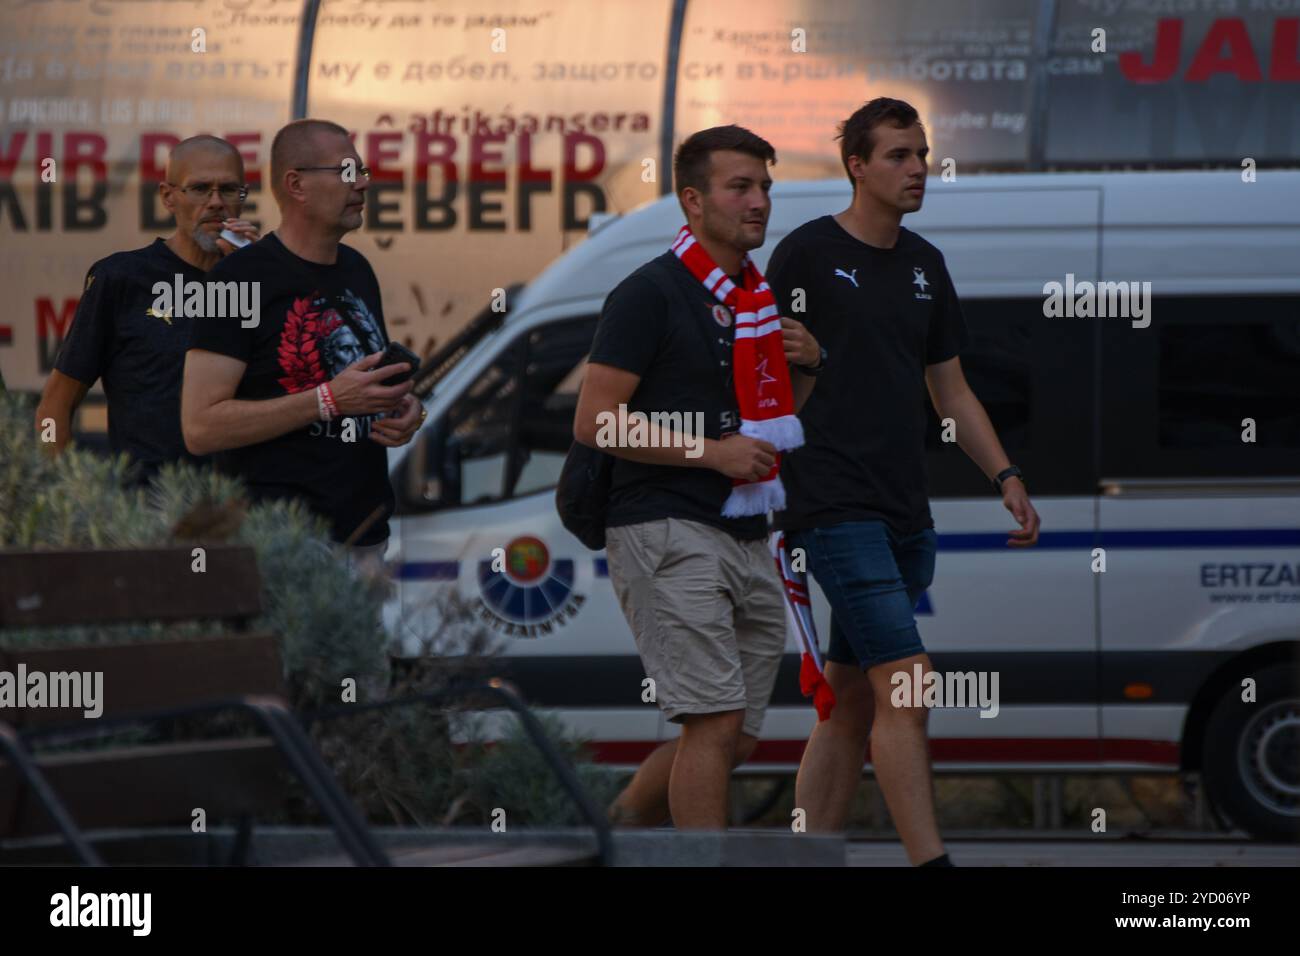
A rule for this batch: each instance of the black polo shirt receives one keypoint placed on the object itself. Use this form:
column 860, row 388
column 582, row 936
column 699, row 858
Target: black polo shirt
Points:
column 137, row 351
column 882, row 315
column 664, row 325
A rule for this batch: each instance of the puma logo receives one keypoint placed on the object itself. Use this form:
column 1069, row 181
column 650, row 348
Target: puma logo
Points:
column 851, row 276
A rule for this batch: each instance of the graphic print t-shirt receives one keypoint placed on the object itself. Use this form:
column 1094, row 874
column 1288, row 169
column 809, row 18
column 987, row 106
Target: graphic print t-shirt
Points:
column 315, row 320
column 138, row 351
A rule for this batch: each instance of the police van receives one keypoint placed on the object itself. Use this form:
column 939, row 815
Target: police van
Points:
column 1155, row 627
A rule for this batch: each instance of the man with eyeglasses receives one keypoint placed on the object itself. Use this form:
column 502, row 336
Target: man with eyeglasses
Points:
column 118, row 337
column 294, row 405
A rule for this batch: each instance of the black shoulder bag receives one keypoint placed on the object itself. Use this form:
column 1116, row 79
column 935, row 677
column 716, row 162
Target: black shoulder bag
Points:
column 582, row 493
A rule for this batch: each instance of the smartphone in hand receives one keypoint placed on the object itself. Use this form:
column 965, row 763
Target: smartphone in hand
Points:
column 395, row 353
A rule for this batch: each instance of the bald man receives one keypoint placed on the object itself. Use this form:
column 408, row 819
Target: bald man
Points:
column 118, row 337
column 294, row 404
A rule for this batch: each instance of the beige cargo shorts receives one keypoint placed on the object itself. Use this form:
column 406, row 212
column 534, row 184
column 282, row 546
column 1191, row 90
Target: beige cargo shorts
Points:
column 707, row 614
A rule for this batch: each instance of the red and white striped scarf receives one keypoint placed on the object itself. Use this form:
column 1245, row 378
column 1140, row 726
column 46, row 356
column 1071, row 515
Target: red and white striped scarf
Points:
column 762, row 380
column 798, row 618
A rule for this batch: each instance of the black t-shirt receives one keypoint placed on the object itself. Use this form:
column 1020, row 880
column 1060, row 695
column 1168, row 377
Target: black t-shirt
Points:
column 118, row 336
column 882, row 315
column 315, row 320
column 664, row 325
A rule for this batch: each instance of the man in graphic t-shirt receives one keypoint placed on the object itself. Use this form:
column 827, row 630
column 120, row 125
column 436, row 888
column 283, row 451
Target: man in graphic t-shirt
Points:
column 293, row 403
column 118, row 337
column 879, row 298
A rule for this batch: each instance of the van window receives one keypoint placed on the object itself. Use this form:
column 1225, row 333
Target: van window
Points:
column 1212, row 377
column 996, row 365
column 1175, row 394
column 479, row 426
column 509, row 431
column 555, row 360
column 1035, row 378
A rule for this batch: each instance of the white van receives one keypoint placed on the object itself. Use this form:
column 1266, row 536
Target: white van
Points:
column 1169, row 452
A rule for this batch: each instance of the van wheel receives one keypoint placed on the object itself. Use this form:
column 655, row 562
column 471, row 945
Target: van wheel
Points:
column 1252, row 755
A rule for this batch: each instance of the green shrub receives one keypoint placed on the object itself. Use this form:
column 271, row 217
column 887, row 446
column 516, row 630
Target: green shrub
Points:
column 329, row 622
column 513, row 775
column 402, row 766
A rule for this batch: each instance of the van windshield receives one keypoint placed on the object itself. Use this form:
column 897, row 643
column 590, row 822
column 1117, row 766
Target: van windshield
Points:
column 439, row 365
column 506, row 434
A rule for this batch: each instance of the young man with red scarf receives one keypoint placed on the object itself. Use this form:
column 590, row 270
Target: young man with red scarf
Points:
column 696, row 331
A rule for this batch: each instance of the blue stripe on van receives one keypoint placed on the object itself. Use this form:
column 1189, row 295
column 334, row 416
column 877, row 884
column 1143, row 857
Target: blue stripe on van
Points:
column 1162, row 539
column 1074, row 540
column 997, row 541
column 429, row 571
column 1212, row 538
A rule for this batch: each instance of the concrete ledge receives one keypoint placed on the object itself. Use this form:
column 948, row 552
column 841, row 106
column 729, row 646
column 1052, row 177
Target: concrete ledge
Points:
column 732, row 848
column 445, row 846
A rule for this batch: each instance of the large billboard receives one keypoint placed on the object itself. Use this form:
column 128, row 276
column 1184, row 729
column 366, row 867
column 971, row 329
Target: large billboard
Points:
column 494, row 131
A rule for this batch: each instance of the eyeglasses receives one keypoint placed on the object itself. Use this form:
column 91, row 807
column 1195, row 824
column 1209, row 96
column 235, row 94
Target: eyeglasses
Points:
column 199, row 192
column 341, row 169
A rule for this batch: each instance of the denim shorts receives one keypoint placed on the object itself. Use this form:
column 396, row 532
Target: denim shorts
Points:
column 872, row 578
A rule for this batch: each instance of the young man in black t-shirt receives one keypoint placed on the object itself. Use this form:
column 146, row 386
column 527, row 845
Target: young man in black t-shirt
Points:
column 880, row 300
column 293, row 402
column 699, row 589
column 118, row 336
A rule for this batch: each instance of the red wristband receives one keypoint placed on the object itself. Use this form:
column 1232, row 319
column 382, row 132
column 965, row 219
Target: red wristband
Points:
column 327, row 401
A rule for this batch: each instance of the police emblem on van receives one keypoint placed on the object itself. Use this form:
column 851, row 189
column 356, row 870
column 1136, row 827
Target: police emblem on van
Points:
column 527, row 593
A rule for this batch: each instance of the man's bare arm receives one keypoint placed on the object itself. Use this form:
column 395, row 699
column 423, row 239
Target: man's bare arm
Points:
column 801, row 348
column 59, row 400
column 213, row 420
column 953, row 398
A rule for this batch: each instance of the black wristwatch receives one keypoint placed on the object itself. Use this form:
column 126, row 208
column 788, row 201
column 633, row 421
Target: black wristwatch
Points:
column 814, row 369
column 1004, row 474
